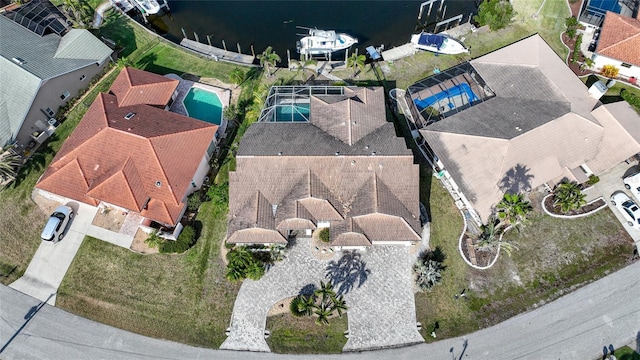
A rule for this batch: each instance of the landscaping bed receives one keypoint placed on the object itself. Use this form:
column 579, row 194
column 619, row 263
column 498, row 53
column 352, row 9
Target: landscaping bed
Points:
column 483, row 257
column 555, row 209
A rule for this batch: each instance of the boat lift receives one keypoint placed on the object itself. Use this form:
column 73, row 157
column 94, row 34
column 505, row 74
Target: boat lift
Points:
column 163, row 4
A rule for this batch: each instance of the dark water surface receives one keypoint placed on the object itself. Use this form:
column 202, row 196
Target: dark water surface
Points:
column 273, row 23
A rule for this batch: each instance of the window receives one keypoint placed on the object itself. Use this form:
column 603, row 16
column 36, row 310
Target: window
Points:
column 82, row 78
column 65, row 95
column 49, row 112
column 626, row 65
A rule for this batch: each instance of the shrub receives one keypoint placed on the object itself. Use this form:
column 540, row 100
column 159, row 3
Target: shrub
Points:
column 495, row 13
column 609, row 71
column 154, row 240
column 194, row 201
column 219, row 194
column 631, row 98
column 244, row 263
column 572, row 25
column 593, row 179
column 324, row 235
column 576, row 49
column 428, row 268
column 184, row 241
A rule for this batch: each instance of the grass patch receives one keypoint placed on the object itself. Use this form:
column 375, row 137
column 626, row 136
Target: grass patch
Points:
column 183, row 298
column 302, row 335
column 626, row 353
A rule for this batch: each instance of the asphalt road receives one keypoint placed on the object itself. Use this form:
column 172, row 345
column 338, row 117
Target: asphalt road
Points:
column 575, row 326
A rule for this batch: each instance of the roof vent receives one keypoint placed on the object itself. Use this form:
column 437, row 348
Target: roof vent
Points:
column 129, row 116
column 373, row 153
column 353, row 162
column 146, row 204
column 19, row 61
column 518, row 128
column 366, row 147
column 337, row 153
column 279, row 153
column 158, row 183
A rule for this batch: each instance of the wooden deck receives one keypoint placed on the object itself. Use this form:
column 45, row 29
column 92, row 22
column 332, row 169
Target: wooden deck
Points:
column 216, row 53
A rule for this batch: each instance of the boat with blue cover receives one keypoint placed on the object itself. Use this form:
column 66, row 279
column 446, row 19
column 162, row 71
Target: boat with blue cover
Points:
column 438, row 43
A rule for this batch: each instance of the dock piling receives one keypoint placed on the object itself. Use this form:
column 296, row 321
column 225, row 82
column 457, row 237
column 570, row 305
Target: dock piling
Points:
column 208, row 39
column 195, row 35
column 253, row 53
column 224, row 46
column 184, row 33
column 239, row 52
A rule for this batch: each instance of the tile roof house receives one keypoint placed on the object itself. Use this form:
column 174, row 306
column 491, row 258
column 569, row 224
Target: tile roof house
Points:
column 538, row 126
column 324, row 157
column 619, row 44
column 42, row 66
column 135, row 156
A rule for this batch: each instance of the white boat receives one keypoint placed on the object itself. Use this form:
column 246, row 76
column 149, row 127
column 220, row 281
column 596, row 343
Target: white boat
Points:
column 149, row 7
column 438, row 43
column 321, row 42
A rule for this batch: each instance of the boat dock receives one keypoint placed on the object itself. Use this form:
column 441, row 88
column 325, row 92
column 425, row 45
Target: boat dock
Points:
column 399, row 52
column 216, row 53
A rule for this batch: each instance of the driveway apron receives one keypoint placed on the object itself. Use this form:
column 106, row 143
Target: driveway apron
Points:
column 51, row 261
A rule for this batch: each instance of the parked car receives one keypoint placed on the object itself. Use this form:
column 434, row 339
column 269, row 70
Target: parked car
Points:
column 57, row 224
column 632, row 182
column 629, row 210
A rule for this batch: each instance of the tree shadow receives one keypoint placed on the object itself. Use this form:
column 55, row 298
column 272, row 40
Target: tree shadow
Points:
column 307, row 290
column 516, row 180
column 350, row 270
column 36, row 162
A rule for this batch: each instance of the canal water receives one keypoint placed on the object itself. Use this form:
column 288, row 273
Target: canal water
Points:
column 273, row 23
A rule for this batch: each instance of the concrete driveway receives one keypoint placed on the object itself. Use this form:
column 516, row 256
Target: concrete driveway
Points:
column 51, row 261
column 610, row 182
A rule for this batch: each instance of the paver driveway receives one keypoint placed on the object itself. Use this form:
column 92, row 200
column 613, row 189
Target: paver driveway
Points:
column 381, row 307
column 51, row 261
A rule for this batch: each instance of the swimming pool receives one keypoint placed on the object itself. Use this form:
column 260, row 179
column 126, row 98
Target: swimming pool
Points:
column 203, row 105
column 448, row 94
column 293, row 113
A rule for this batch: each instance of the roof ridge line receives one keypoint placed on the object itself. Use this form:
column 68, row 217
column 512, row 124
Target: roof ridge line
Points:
column 164, row 173
column 620, row 42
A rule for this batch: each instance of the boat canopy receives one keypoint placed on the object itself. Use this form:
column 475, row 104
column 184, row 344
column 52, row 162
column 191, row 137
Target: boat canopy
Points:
column 431, row 40
column 325, row 34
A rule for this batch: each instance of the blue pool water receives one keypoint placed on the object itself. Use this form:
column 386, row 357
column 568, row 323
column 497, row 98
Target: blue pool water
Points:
column 299, row 112
column 457, row 90
column 602, row 6
column 203, row 105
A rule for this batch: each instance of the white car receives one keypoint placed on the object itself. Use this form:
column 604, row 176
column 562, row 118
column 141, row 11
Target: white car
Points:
column 632, row 182
column 57, row 224
column 629, row 210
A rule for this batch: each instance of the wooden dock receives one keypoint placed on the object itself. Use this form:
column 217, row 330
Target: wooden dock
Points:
column 399, row 52
column 216, row 53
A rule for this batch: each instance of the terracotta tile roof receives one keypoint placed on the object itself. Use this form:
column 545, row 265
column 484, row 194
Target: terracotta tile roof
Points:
column 144, row 164
column 620, row 38
column 134, row 87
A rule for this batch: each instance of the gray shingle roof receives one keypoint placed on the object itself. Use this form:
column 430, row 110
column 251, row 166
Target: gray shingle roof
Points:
column 305, row 139
column 44, row 57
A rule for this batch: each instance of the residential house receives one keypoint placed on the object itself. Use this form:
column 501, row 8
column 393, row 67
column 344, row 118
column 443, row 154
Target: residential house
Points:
column 128, row 152
column 619, row 45
column 43, row 64
column 516, row 119
column 319, row 157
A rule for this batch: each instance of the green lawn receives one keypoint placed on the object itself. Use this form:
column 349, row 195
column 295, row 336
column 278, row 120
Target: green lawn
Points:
column 183, row 298
column 626, row 353
column 302, row 335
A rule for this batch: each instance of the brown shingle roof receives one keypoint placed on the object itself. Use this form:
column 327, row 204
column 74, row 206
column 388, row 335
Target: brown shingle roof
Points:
column 134, row 87
column 149, row 159
column 256, row 236
column 620, row 38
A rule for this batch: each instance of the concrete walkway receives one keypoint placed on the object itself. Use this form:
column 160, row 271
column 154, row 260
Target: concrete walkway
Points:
column 99, row 15
column 51, row 261
column 379, row 295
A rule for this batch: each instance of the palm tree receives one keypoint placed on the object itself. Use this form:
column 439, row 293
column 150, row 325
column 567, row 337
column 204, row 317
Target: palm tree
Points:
column 78, row 11
column 356, row 62
column 255, row 270
column 323, row 313
column 237, row 76
column 268, row 58
column 9, row 163
column 339, row 305
column 325, row 292
column 428, row 273
column 234, row 273
column 513, row 208
column 568, row 196
column 302, row 306
column 490, row 239
column 305, row 66
column 588, row 64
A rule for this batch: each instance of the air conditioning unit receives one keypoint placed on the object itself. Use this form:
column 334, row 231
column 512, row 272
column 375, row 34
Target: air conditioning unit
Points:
column 52, row 122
